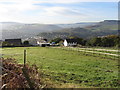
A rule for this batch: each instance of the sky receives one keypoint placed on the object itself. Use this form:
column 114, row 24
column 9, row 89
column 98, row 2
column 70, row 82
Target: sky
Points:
column 58, row 11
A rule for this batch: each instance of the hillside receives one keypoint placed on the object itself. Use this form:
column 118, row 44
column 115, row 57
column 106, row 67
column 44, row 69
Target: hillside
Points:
column 79, row 32
column 104, row 25
column 20, row 30
column 50, row 31
column 69, row 67
column 76, row 25
column 103, row 28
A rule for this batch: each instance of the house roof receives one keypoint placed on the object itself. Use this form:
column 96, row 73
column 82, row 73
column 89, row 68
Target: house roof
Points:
column 41, row 41
column 71, row 40
column 14, row 41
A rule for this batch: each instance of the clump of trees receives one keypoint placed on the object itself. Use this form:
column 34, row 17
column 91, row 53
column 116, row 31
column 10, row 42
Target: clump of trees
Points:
column 105, row 41
column 56, row 40
column 81, row 41
column 26, row 43
column 60, row 41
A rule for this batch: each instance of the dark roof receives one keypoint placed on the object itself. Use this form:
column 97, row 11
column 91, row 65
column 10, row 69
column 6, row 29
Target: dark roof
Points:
column 71, row 40
column 15, row 42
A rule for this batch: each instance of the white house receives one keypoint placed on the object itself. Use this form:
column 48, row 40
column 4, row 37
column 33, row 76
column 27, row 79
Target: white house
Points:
column 70, row 42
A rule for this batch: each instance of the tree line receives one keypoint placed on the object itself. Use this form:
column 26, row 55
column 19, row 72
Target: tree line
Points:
column 103, row 41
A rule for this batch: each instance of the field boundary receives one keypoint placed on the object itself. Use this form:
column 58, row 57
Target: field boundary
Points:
column 94, row 52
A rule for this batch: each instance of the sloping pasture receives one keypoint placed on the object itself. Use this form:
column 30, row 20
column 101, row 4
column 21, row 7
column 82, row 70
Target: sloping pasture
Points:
column 68, row 67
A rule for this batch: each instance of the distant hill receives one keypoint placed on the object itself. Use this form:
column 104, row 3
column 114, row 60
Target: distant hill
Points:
column 79, row 32
column 76, row 25
column 20, row 30
column 104, row 25
column 103, row 28
column 50, row 31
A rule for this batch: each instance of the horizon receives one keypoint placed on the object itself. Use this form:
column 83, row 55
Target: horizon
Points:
column 57, row 12
column 61, row 23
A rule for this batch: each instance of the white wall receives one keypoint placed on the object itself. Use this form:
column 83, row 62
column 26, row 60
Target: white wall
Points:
column 65, row 43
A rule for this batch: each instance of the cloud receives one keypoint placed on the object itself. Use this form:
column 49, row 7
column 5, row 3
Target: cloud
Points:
column 14, row 9
column 17, row 5
column 72, row 1
column 29, row 11
column 60, row 11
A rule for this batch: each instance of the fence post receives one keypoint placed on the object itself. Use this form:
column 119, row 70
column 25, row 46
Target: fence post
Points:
column 85, row 51
column 93, row 52
column 24, row 57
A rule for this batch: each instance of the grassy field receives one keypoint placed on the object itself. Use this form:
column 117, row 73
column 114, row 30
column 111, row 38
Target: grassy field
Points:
column 109, row 51
column 66, row 68
column 101, row 53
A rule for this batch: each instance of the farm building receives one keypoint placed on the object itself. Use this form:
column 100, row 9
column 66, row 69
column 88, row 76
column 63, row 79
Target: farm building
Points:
column 14, row 42
column 38, row 42
column 32, row 41
column 70, row 42
column 43, row 42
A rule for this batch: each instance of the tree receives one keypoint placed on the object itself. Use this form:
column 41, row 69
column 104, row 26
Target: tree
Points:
column 109, row 41
column 96, row 41
column 26, row 43
column 79, row 40
column 56, row 40
column 105, row 41
column 45, row 40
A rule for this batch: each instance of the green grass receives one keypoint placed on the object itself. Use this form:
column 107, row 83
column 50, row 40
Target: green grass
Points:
column 94, row 52
column 64, row 66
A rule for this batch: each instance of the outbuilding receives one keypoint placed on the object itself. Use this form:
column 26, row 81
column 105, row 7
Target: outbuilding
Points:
column 14, row 42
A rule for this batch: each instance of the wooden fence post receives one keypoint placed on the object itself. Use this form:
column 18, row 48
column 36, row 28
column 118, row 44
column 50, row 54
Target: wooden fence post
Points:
column 24, row 57
column 93, row 52
column 85, row 51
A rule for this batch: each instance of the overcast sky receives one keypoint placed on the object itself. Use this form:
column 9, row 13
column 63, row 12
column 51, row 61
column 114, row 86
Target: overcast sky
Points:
column 57, row 11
